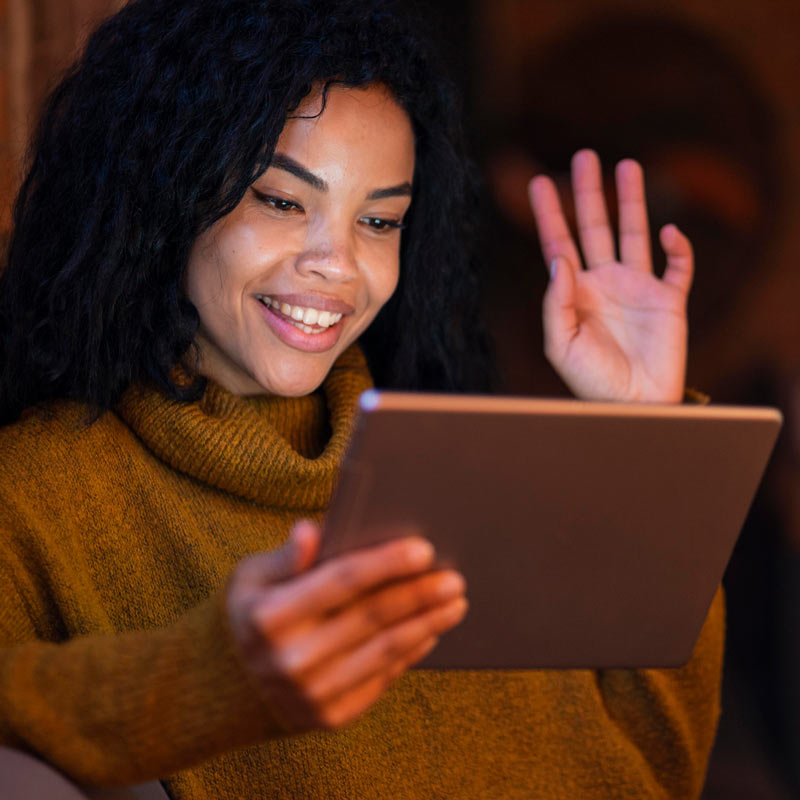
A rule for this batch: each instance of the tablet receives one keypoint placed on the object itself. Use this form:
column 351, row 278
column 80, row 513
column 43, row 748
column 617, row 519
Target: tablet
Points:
column 591, row 535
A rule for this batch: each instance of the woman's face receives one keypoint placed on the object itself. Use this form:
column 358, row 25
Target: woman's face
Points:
column 299, row 269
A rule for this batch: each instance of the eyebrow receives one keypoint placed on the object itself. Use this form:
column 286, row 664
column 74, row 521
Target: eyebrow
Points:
column 401, row 190
column 288, row 164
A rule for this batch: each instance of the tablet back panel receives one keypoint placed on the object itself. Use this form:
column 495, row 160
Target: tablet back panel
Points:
column 590, row 535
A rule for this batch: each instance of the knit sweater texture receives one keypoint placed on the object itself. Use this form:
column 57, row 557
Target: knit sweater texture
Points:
column 117, row 664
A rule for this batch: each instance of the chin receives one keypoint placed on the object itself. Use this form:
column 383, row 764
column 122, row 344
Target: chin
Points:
column 300, row 391
column 293, row 385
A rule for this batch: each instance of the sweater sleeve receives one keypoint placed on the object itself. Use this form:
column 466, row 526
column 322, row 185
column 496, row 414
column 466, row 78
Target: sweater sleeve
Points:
column 662, row 723
column 123, row 708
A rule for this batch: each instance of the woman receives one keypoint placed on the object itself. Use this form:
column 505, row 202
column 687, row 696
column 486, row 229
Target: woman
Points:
column 227, row 200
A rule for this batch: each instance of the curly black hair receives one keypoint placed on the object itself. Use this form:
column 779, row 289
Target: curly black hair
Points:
column 157, row 132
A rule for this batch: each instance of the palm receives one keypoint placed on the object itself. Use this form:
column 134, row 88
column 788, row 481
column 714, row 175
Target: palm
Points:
column 631, row 328
column 613, row 331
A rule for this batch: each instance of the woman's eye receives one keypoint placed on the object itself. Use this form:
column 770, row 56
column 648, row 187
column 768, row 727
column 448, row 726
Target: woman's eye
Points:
column 380, row 224
column 281, row 205
column 278, row 203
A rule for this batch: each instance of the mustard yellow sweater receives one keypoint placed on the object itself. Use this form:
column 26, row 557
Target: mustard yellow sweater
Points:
column 116, row 664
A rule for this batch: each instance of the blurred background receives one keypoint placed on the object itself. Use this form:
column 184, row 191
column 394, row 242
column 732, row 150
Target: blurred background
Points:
column 706, row 94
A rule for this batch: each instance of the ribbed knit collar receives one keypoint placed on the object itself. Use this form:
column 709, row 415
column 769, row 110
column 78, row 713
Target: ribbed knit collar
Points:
column 277, row 451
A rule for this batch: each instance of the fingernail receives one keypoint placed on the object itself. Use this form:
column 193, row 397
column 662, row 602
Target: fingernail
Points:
column 457, row 610
column 553, row 267
column 419, row 553
column 304, row 526
column 450, row 585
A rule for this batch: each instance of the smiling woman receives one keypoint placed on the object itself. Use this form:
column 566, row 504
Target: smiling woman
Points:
column 238, row 216
column 287, row 281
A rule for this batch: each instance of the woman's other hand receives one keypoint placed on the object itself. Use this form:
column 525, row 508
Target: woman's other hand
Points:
column 325, row 642
column 613, row 330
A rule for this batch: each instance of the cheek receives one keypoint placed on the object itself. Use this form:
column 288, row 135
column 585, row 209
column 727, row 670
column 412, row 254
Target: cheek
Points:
column 202, row 274
column 386, row 278
column 240, row 248
column 221, row 265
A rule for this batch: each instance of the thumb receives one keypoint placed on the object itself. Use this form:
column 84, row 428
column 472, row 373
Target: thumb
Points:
column 296, row 556
column 559, row 317
column 303, row 546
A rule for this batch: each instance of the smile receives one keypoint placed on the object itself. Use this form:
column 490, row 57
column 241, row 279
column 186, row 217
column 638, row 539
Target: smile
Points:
column 308, row 320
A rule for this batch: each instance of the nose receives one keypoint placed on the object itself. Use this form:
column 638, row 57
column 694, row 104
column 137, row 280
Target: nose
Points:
column 328, row 256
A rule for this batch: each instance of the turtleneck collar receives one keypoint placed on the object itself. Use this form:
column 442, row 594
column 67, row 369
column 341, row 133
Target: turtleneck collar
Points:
column 277, row 451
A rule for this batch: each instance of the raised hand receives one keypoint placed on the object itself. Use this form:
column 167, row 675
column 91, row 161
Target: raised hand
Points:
column 324, row 643
column 613, row 330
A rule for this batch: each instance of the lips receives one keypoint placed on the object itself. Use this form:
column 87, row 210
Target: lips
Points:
column 287, row 322
column 308, row 319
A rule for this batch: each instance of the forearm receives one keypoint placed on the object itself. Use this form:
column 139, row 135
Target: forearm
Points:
column 131, row 707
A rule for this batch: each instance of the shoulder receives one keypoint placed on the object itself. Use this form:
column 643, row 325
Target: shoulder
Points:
column 58, row 437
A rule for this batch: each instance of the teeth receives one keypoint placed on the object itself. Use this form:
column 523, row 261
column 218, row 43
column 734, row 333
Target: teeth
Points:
column 306, row 329
column 302, row 317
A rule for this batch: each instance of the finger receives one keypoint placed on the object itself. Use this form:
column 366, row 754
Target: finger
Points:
column 349, row 706
column 381, row 653
column 680, row 258
column 554, row 234
column 634, row 230
column 304, row 538
column 340, row 580
column 372, row 615
column 294, row 557
column 559, row 317
column 594, row 231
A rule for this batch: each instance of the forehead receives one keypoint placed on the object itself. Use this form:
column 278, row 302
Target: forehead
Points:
column 362, row 131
